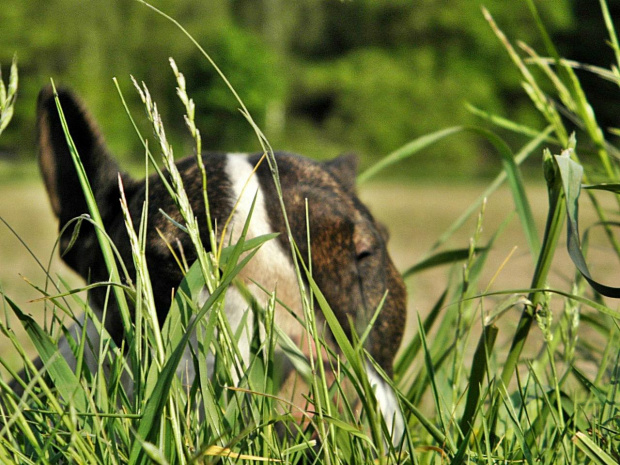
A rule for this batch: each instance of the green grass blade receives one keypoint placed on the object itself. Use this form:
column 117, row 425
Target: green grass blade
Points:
column 555, row 220
column 510, row 125
column 578, row 97
column 476, row 378
column 411, row 351
column 611, row 31
column 155, row 404
column 517, row 187
column 445, row 257
column 354, row 358
column 521, row 156
column 64, row 379
column 507, row 158
column 571, row 174
column 605, row 186
column 104, row 244
column 517, row 430
column 406, row 151
column 592, row 450
column 430, row 369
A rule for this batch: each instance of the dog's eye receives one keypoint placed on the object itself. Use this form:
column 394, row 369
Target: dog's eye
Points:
column 365, row 244
column 362, row 254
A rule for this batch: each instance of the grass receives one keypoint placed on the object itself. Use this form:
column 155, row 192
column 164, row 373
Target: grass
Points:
column 492, row 374
column 8, row 95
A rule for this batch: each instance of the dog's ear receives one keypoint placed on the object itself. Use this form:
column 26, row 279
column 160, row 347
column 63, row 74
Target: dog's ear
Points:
column 344, row 168
column 55, row 160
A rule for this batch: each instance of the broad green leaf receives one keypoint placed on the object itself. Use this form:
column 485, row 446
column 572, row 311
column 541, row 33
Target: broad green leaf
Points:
column 65, row 380
column 593, row 450
column 571, row 173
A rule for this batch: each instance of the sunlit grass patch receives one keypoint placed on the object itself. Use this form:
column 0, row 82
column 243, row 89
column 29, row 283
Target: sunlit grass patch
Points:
column 465, row 399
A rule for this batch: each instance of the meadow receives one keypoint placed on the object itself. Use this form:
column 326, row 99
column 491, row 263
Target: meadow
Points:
column 414, row 226
column 416, row 215
column 511, row 353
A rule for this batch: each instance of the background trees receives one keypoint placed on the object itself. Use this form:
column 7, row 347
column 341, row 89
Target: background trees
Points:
column 319, row 76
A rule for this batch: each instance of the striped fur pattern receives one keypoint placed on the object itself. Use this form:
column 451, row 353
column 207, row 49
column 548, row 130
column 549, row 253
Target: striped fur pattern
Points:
column 350, row 262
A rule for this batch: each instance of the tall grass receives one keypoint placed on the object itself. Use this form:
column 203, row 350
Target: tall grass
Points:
column 466, row 401
column 8, row 95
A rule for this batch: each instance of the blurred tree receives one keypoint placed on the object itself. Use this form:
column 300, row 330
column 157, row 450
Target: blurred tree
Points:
column 320, row 76
column 587, row 41
column 252, row 70
column 369, row 76
column 84, row 44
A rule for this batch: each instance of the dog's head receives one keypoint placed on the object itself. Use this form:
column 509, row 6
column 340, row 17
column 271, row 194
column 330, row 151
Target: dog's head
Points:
column 350, row 262
column 347, row 251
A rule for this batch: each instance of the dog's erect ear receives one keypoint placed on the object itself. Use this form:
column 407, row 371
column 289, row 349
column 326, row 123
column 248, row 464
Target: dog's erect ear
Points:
column 344, row 168
column 55, row 160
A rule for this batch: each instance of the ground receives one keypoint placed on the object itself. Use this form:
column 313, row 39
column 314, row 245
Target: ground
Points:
column 416, row 215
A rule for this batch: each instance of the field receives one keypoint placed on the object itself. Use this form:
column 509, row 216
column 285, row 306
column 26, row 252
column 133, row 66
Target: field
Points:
column 510, row 354
column 416, row 216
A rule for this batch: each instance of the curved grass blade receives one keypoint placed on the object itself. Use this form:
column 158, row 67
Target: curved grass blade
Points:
column 407, row 150
column 571, row 173
column 510, row 125
column 515, row 181
column 441, row 258
column 522, row 155
column 543, row 290
column 64, row 379
column 511, row 169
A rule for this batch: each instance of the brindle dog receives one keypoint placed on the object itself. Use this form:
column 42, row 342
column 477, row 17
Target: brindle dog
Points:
column 350, row 262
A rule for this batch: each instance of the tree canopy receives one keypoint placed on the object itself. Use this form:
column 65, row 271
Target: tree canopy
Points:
column 319, row 76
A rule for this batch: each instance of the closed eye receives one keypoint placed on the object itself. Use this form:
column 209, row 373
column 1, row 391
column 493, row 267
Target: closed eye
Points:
column 364, row 254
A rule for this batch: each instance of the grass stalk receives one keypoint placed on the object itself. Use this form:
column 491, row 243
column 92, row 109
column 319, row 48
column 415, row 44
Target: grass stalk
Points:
column 553, row 228
column 106, row 248
column 8, row 96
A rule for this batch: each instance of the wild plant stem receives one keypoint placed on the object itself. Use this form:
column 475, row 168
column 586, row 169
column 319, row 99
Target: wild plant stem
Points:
column 553, row 228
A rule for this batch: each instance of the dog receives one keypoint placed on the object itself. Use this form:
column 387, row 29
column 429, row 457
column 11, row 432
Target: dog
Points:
column 349, row 260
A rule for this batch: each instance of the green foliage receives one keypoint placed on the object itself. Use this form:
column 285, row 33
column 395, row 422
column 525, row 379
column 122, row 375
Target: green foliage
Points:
column 8, row 95
column 253, row 69
column 466, row 398
column 320, row 77
column 395, row 70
